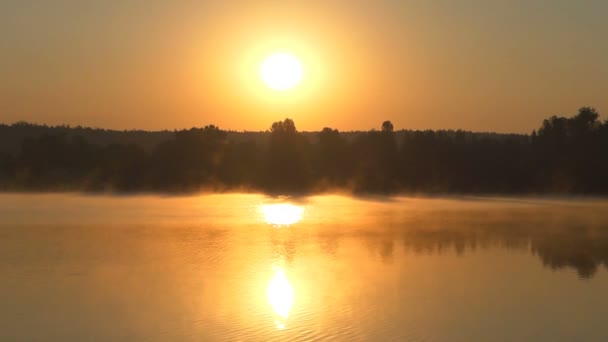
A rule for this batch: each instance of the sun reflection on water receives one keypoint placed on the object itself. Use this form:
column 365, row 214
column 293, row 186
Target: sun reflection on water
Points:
column 282, row 214
column 280, row 296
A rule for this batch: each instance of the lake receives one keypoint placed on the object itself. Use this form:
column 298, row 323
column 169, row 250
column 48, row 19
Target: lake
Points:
column 244, row 267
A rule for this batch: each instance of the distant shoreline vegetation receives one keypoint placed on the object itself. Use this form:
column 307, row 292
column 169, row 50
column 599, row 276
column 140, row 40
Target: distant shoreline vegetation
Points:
column 564, row 156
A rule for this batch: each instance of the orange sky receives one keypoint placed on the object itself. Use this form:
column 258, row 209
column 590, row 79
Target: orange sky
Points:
column 476, row 65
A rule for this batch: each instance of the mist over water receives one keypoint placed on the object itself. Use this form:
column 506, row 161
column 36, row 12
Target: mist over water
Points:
column 251, row 267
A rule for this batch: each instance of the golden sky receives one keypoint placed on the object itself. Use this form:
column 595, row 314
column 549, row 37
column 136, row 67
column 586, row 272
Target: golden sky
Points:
column 500, row 65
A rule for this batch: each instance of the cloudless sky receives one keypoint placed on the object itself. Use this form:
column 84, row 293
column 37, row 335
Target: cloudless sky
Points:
column 491, row 65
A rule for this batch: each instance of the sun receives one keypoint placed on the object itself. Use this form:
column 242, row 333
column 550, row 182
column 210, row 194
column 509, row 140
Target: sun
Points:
column 281, row 71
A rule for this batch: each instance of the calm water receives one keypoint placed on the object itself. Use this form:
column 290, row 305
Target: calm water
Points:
column 253, row 268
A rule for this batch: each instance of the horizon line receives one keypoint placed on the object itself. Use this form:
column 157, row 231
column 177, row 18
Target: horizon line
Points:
column 167, row 130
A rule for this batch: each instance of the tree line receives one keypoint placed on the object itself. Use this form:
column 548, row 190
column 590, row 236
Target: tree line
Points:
column 564, row 155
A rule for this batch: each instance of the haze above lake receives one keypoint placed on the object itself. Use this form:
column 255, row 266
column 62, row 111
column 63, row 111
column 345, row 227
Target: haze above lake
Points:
column 246, row 267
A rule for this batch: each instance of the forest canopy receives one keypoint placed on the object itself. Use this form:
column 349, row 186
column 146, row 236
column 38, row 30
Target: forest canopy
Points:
column 564, row 155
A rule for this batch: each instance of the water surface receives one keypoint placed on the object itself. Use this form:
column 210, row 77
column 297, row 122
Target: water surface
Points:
column 254, row 268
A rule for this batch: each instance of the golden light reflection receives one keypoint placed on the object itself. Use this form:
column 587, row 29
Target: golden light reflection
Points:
column 280, row 296
column 282, row 214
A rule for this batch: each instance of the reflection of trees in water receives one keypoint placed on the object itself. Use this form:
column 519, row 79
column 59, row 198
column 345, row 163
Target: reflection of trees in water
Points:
column 583, row 252
column 283, row 243
column 565, row 240
column 329, row 243
column 567, row 237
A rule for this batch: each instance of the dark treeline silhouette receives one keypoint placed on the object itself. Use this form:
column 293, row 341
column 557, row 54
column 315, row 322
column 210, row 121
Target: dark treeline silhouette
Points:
column 565, row 155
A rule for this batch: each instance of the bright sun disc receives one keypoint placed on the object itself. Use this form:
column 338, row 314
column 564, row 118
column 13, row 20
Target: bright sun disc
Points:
column 281, row 71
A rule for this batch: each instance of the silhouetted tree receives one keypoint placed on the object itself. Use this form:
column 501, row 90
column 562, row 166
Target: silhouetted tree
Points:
column 570, row 154
column 287, row 169
column 333, row 162
column 376, row 167
column 190, row 160
column 387, row 126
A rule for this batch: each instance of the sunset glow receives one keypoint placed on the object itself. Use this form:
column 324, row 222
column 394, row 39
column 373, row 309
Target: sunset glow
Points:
column 303, row 170
column 185, row 64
